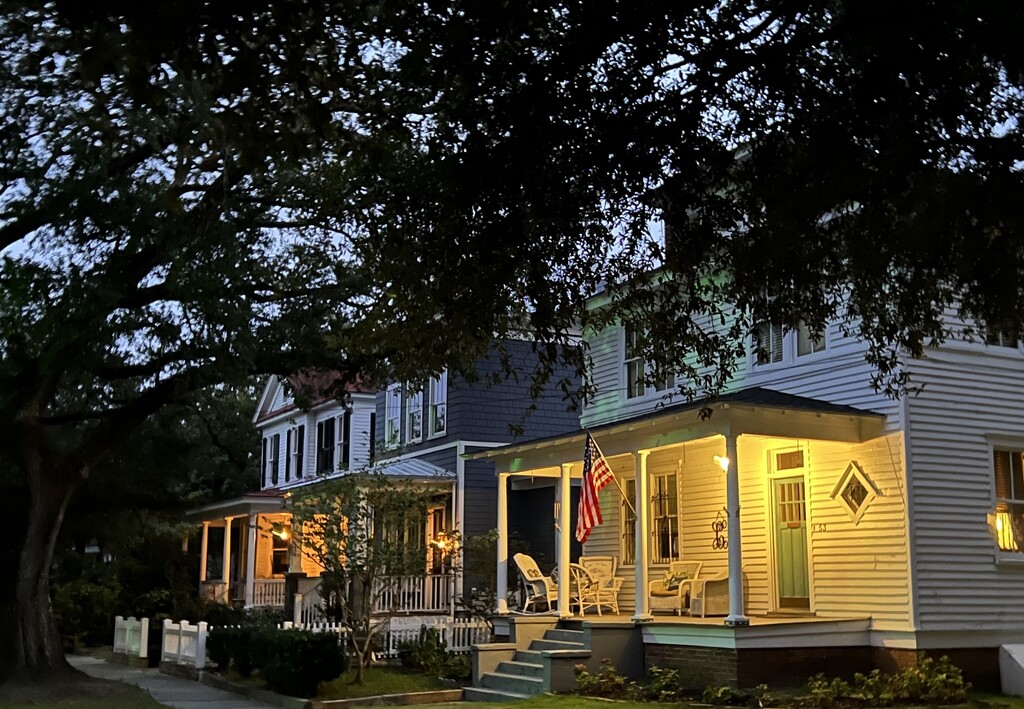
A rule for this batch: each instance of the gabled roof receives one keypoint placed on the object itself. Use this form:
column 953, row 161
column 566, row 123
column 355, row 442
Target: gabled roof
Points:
column 315, row 384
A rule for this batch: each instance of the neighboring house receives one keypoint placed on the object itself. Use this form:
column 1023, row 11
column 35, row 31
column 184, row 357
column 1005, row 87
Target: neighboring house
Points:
column 246, row 550
column 842, row 530
column 449, row 418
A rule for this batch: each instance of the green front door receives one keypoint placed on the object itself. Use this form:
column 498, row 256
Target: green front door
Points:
column 791, row 543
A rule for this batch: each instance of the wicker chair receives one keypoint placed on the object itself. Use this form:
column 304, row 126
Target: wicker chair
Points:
column 672, row 592
column 602, row 568
column 584, row 589
column 539, row 588
column 711, row 595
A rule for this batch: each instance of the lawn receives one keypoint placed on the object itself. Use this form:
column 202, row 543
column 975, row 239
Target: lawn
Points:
column 382, row 681
column 114, row 696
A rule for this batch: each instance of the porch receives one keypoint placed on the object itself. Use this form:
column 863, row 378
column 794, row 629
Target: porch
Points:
column 792, row 507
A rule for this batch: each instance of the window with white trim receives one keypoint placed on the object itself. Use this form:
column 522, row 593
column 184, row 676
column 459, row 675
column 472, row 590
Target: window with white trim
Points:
column 296, row 450
column 627, row 523
column 393, row 416
column 343, row 429
column 274, row 458
column 325, row 446
column 414, row 416
column 637, row 370
column 1008, row 518
column 665, row 545
column 1002, row 337
column 771, row 343
column 438, row 419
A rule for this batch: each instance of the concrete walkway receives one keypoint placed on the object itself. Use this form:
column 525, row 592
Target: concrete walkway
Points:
column 169, row 691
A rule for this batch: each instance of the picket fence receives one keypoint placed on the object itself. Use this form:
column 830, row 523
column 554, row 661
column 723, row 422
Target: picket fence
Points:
column 131, row 637
column 184, row 644
column 457, row 634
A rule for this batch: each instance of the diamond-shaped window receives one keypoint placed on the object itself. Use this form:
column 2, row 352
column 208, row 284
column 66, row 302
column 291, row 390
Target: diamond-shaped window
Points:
column 854, row 491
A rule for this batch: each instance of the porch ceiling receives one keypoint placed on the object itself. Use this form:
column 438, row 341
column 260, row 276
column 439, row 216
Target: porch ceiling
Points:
column 756, row 412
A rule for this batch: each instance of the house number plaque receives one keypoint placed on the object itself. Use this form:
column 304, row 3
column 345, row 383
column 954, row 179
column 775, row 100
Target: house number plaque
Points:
column 817, row 527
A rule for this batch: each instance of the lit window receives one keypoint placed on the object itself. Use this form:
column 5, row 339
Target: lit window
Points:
column 1008, row 522
column 439, row 405
column 414, row 416
column 393, row 416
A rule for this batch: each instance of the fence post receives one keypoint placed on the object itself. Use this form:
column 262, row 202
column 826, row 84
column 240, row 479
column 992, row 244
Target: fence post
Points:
column 297, row 609
column 182, row 626
column 287, row 625
column 201, row 645
column 163, row 639
column 144, row 639
column 118, row 622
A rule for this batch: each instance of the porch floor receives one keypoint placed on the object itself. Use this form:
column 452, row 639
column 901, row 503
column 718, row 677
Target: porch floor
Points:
column 716, row 620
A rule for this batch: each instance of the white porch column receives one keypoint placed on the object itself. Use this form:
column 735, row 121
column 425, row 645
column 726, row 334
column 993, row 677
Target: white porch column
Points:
column 643, row 534
column 226, row 573
column 502, row 581
column 564, row 539
column 203, row 548
column 250, row 562
column 732, row 496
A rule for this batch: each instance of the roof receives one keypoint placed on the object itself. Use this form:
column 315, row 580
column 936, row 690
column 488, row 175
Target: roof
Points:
column 257, row 502
column 752, row 410
column 315, row 384
column 412, row 468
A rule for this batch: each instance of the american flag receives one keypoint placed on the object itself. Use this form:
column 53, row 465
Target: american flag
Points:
column 596, row 475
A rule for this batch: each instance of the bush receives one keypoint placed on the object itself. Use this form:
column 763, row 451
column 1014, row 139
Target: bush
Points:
column 607, row 683
column 84, row 611
column 725, row 696
column 297, row 661
column 430, row 655
column 660, row 685
column 929, row 682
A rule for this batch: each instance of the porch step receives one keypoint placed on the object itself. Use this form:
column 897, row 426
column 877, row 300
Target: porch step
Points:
column 555, row 645
column 569, row 636
column 482, row 694
column 513, row 684
column 531, row 657
column 570, row 624
column 526, row 669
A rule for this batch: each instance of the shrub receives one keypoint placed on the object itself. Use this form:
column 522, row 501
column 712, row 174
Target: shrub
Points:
column 297, row 660
column 430, row 655
column 929, row 682
column 827, row 693
column 725, row 696
column 660, row 685
column 218, row 647
column 607, row 683
column 84, row 611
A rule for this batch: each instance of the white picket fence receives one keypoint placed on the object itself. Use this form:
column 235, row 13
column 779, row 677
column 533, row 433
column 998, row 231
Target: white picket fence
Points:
column 184, row 644
column 457, row 634
column 131, row 637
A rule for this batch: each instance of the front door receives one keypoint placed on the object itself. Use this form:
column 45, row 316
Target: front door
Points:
column 791, row 543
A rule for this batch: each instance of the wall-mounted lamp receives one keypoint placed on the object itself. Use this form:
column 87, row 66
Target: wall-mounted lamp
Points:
column 723, row 463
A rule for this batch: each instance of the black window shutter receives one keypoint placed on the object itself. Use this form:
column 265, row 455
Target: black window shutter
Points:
column 373, row 435
column 345, row 438
column 329, row 445
column 319, row 447
column 263, row 465
column 277, row 457
column 300, row 447
column 288, row 457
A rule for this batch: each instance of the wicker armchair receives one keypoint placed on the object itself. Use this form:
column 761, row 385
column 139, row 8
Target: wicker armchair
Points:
column 672, row 591
column 539, row 588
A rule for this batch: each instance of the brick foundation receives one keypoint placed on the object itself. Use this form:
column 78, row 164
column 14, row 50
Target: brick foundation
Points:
column 702, row 666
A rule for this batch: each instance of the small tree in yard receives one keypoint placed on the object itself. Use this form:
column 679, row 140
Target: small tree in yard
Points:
column 368, row 533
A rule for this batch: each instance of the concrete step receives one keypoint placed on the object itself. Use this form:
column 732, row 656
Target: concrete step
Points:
column 482, row 694
column 513, row 684
column 526, row 669
column 528, row 656
column 569, row 636
column 570, row 624
column 555, row 645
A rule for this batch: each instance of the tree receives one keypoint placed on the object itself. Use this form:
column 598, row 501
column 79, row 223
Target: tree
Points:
column 195, row 193
column 367, row 533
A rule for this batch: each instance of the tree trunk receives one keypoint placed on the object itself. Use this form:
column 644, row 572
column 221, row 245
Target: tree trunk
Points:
column 28, row 632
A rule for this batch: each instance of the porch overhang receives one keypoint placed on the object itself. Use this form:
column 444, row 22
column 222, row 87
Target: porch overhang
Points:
column 755, row 411
column 252, row 503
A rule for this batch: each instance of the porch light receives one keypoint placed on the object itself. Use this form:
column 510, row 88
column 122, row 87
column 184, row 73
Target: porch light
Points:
column 723, row 462
column 280, row 534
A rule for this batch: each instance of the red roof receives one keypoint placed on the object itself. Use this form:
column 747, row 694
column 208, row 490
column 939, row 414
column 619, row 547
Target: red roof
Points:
column 317, row 385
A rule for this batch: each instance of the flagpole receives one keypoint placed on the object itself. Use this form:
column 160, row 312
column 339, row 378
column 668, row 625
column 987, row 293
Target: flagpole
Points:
column 614, row 477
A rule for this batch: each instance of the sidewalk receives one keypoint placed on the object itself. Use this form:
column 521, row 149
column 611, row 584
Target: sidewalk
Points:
column 170, row 691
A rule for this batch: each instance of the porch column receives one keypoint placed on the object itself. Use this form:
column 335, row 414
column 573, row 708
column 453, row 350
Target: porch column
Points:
column 643, row 533
column 502, row 577
column 250, row 562
column 226, row 574
column 732, row 496
column 564, row 538
column 203, row 549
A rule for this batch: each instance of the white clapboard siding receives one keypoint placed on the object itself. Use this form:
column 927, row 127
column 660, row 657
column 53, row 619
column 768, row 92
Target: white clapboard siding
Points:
column 971, row 392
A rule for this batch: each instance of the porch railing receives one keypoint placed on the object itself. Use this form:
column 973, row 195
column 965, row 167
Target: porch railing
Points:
column 415, row 594
column 268, row 592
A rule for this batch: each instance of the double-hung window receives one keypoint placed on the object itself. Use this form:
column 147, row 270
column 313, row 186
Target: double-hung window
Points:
column 1008, row 468
column 772, row 343
column 438, row 420
column 325, row 446
column 273, row 458
column 627, row 517
column 637, row 370
column 414, row 416
column 393, row 416
column 664, row 519
column 296, row 448
column 343, row 430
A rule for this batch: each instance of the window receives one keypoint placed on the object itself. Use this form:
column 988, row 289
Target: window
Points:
column 296, row 448
column 273, row 458
column 1008, row 523
column 665, row 519
column 772, row 343
column 393, row 416
column 854, row 491
column 344, row 436
column 997, row 337
column 414, row 416
column 264, row 467
column 279, row 552
column 627, row 515
column 637, row 370
column 438, row 405
column 325, row 447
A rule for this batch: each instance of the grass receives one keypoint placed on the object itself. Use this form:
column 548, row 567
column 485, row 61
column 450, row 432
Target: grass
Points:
column 120, row 696
column 379, row 680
